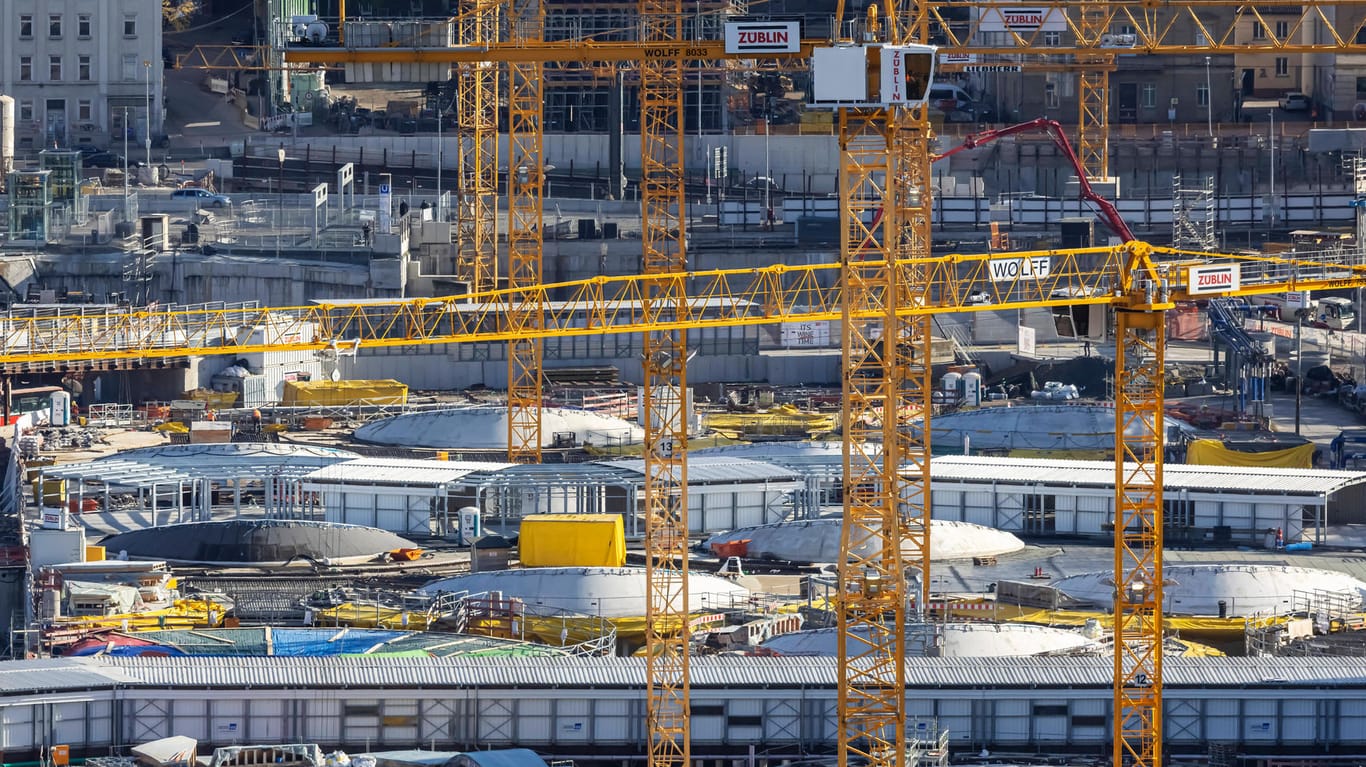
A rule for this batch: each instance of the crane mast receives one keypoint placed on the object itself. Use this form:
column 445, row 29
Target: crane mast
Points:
column 664, row 373
column 476, row 260
column 884, row 219
column 526, row 175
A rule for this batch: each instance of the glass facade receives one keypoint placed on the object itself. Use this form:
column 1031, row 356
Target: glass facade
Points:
column 30, row 201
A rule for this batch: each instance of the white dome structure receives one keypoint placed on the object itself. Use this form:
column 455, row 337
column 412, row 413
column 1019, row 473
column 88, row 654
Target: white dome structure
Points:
column 605, row 592
column 960, row 640
column 818, row 540
column 482, row 427
column 1245, row 590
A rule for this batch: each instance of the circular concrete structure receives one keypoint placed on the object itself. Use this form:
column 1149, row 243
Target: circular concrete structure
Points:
column 1053, row 428
column 960, row 640
column 1245, row 590
column 818, row 540
column 256, row 542
column 486, row 428
column 605, row 592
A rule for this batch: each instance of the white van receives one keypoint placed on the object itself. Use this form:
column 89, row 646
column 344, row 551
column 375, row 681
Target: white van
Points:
column 954, row 102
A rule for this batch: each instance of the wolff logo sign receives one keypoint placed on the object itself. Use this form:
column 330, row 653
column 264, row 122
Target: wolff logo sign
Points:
column 1023, row 19
column 752, row 37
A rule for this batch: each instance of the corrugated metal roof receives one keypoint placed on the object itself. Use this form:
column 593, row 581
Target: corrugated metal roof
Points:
column 720, row 469
column 183, row 463
column 707, row 672
column 54, row 674
column 1175, row 475
column 399, row 471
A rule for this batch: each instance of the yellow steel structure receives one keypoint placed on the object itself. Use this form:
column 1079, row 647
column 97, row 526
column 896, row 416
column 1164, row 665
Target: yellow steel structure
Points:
column 714, row 298
column 885, row 226
column 476, row 260
column 1128, row 277
column 664, row 368
column 526, row 183
column 1140, row 338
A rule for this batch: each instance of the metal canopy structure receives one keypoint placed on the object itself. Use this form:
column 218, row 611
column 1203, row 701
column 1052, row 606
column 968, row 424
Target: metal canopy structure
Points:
column 167, row 472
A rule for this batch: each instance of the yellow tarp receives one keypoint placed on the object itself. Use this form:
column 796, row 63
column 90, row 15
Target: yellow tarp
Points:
column 572, row 540
column 341, row 393
column 186, row 614
column 1209, row 452
column 781, row 420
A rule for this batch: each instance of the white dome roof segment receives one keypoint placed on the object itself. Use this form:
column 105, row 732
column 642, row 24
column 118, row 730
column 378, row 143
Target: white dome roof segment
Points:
column 818, row 540
column 960, row 640
column 484, row 427
column 607, row 592
column 1246, row 590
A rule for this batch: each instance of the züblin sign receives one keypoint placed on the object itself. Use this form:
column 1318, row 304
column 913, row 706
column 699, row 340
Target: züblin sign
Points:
column 1213, row 279
column 763, row 37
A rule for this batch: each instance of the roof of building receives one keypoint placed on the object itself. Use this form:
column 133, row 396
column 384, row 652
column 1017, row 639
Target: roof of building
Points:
column 719, row 469
column 168, row 464
column 1175, row 476
column 405, row 472
column 611, row 672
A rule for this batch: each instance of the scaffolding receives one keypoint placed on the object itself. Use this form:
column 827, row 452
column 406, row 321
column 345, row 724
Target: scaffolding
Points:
column 1194, row 215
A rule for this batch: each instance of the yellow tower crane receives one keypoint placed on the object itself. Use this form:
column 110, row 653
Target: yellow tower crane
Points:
column 526, row 184
column 1092, row 33
column 1138, row 281
column 884, row 139
column 664, row 357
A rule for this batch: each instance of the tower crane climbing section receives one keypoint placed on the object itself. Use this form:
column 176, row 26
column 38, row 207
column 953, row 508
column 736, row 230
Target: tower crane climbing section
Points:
column 476, row 260
column 664, row 373
column 526, row 184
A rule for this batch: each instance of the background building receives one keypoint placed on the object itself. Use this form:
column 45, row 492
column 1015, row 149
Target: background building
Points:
column 76, row 67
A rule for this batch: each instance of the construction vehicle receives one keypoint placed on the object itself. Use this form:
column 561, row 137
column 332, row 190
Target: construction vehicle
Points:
column 1332, row 312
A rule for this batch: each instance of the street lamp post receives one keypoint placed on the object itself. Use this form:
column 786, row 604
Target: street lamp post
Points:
column 127, row 210
column 768, row 167
column 1209, row 100
column 147, row 94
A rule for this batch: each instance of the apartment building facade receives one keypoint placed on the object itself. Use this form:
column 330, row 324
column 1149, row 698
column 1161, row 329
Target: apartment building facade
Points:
column 82, row 71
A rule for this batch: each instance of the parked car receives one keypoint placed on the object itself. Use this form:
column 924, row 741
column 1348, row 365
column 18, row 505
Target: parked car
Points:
column 202, row 197
column 1295, row 102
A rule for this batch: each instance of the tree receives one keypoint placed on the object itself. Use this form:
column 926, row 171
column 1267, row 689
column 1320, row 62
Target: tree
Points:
column 177, row 13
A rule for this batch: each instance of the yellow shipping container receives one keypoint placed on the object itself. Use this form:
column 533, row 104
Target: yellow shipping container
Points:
column 341, row 393
column 572, row 540
column 52, row 491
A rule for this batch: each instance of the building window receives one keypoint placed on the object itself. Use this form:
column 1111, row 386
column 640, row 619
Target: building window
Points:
column 130, row 25
column 1201, row 96
column 83, row 26
column 1050, row 96
column 1200, row 40
column 25, row 68
column 25, row 110
column 130, row 66
column 26, row 27
column 1282, row 30
column 1149, row 96
column 1282, row 67
column 54, row 25
column 1258, row 31
column 83, row 68
column 1052, row 39
column 54, row 68
column 1361, row 88
column 84, row 109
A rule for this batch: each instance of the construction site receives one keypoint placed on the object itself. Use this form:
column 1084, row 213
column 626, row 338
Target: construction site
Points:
column 476, row 431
